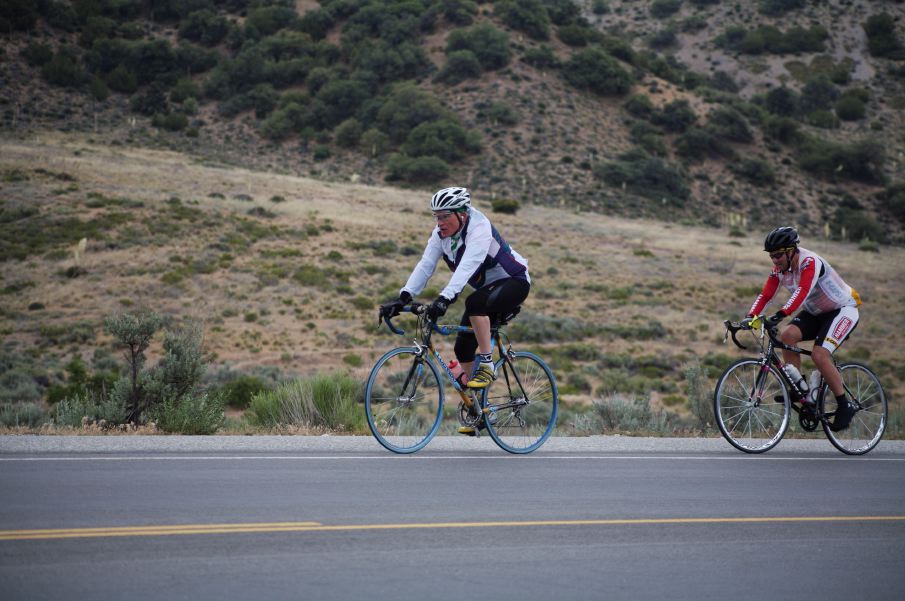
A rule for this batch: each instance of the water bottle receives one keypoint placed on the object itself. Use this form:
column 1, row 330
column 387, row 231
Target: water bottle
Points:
column 456, row 370
column 796, row 378
column 815, row 385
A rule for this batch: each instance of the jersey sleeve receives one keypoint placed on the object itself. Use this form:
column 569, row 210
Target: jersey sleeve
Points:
column 425, row 267
column 477, row 245
column 765, row 296
column 806, row 283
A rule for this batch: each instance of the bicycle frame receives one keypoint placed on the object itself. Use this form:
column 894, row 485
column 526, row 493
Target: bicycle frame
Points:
column 769, row 356
column 426, row 347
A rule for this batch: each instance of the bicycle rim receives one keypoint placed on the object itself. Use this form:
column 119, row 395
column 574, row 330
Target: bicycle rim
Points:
column 404, row 400
column 520, row 406
column 869, row 423
column 746, row 409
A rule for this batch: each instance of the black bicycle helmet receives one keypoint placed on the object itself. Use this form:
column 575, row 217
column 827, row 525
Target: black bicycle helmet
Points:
column 781, row 238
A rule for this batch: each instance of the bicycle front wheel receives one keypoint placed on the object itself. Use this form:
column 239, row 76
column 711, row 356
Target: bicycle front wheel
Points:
column 751, row 406
column 520, row 406
column 404, row 400
column 869, row 422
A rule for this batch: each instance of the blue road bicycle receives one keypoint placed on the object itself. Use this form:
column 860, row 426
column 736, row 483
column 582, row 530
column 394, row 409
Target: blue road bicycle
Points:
column 404, row 395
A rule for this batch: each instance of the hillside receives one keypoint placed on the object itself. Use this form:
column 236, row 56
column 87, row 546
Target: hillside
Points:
column 715, row 112
column 285, row 274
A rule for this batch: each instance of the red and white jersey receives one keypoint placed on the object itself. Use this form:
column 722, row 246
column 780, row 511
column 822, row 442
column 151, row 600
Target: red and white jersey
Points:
column 814, row 284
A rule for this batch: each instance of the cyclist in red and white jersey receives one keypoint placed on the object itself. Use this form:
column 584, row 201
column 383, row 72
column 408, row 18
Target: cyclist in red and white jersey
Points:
column 829, row 309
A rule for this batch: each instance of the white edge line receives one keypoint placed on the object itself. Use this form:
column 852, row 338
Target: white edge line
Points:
column 440, row 457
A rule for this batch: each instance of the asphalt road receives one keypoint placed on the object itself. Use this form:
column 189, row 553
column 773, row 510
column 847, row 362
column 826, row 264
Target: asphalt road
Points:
column 344, row 519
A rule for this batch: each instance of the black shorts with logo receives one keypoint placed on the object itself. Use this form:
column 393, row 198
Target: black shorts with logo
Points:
column 499, row 297
column 829, row 329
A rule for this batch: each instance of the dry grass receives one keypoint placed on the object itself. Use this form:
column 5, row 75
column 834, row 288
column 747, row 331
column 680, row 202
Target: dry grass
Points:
column 605, row 271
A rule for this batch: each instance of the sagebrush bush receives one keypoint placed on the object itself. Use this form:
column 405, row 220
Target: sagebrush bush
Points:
column 194, row 413
column 620, row 413
column 22, row 415
column 505, row 205
column 697, row 387
column 330, row 400
column 596, row 71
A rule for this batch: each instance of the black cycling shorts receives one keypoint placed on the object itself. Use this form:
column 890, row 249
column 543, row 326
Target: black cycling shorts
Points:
column 499, row 297
column 828, row 330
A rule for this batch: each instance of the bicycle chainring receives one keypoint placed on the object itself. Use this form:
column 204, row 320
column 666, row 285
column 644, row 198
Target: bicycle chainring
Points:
column 808, row 420
column 468, row 417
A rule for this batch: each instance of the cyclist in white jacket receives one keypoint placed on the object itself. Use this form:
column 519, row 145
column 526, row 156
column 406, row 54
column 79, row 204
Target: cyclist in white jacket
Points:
column 477, row 255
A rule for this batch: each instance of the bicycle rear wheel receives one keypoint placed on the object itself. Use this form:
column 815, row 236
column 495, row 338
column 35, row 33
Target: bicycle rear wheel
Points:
column 404, row 400
column 746, row 407
column 520, row 406
column 869, row 422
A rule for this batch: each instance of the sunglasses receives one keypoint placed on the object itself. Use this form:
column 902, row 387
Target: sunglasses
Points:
column 778, row 255
column 443, row 215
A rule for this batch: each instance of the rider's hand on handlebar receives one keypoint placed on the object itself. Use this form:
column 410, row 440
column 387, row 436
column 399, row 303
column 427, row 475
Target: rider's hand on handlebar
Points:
column 775, row 319
column 749, row 323
column 438, row 308
column 394, row 307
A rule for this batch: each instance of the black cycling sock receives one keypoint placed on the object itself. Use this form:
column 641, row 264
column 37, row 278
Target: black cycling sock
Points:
column 840, row 399
column 484, row 358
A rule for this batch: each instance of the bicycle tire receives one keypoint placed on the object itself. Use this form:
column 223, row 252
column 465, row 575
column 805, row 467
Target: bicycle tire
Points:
column 869, row 422
column 404, row 400
column 520, row 407
column 744, row 402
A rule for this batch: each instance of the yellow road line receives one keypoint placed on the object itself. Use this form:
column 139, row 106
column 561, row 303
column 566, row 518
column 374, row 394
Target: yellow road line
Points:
column 186, row 529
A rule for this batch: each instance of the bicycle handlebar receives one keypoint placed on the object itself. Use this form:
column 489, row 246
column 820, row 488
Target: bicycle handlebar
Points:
column 733, row 328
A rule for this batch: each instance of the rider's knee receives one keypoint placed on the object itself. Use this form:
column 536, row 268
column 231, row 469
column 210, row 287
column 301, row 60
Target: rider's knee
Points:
column 790, row 336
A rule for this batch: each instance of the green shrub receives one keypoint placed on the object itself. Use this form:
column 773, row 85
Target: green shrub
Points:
column 374, row 142
column 22, row 415
column 881, row 37
column 728, row 124
column 348, row 133
column 677, row 116
column 619, row 413
column 534, row 327
column 596, row 71
column 819, row 93
column 649, row 138
column 541, row 57
column 782, row 101
column 527, row 16
column 649, row 177
column 640, row 106
column 489, row 45
column 170, row 121
column 756, row 171
column 18, row 385
column 37, row 54
column 195, row 413
column 121, row 79
column 850, row 108
column 698, row 144
column 502, row 114
column 893, row 197
column 460, row 65
column 71, row 410
column 329, row 400
column 855, row 224
column 698, row 389
column 445, row 139
column 776, row 8
column 509, row 206
column 64, row 69
column 576, row 35
column 239, row 392
column 861, row 161
column 662, row 9
column 417, row 170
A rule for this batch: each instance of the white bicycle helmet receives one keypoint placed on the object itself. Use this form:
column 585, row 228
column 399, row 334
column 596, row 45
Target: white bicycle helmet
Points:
column 451, row 199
